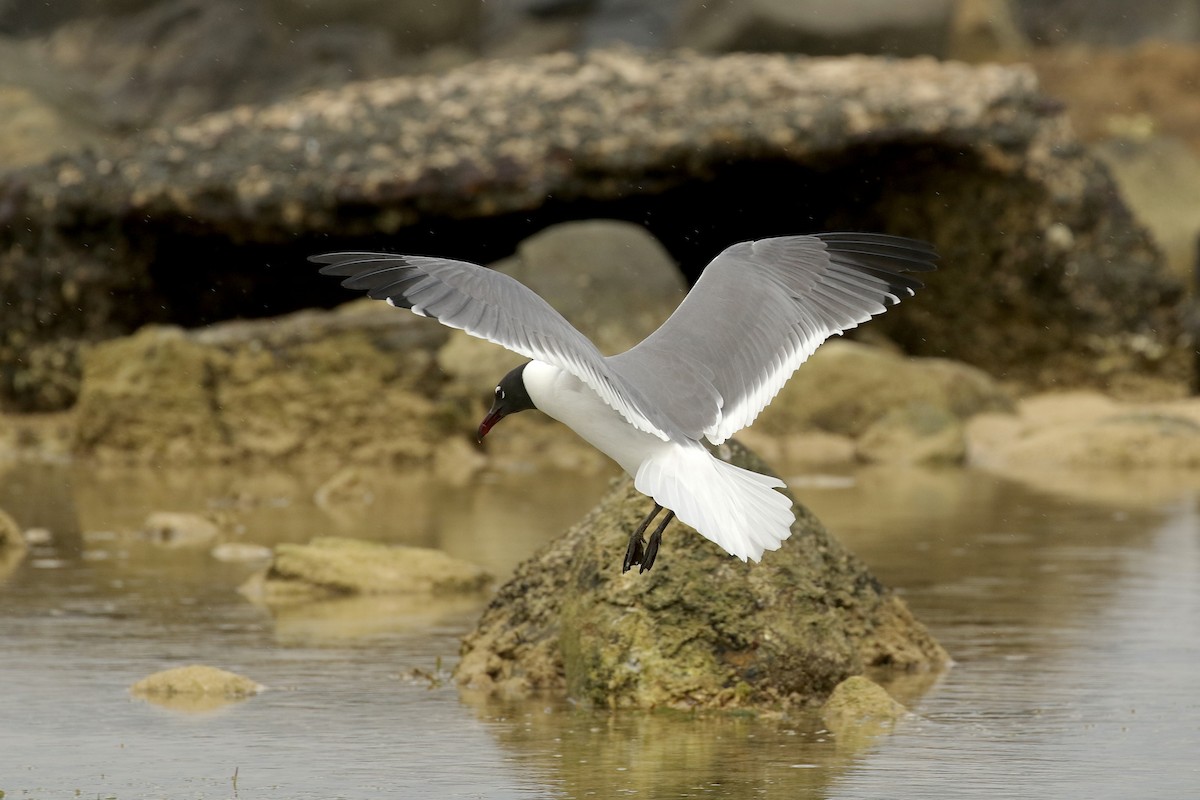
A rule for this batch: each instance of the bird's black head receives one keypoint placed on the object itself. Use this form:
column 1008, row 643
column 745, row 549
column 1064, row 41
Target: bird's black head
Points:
column 511, row 397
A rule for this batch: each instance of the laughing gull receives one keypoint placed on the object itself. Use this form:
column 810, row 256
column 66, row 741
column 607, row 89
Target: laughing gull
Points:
column 758, row 311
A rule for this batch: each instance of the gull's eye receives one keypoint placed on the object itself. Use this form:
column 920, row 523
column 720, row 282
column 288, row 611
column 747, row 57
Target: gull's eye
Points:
column 499, row 393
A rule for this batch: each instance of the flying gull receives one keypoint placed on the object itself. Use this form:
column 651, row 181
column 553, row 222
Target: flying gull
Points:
column 758, row 311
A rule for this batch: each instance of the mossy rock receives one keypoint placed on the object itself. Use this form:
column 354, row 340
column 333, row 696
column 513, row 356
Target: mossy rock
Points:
column 700, row 630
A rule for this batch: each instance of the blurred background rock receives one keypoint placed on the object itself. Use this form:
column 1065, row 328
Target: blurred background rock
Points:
column 89, row 88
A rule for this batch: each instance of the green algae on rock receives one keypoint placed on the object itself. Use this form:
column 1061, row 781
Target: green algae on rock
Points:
column 702, row 630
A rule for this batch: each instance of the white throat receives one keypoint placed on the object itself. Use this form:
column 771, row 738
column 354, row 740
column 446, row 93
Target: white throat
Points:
column 564, row 397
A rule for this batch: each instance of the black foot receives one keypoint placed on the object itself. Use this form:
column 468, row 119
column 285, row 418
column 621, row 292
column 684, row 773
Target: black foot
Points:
column 636, row 552
column 655, row 540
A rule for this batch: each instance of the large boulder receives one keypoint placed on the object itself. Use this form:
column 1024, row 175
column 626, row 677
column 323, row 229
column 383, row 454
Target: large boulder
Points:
column 212, row 220
column 700, row 629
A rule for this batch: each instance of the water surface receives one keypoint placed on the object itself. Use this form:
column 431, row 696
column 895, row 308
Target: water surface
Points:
column 1075, row 625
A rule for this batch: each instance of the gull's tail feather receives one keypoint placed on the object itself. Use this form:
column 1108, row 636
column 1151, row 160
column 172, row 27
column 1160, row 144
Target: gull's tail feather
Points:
column 734, row 507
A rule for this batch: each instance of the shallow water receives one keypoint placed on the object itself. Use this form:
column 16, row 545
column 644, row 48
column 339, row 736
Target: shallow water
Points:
column 1075, row 625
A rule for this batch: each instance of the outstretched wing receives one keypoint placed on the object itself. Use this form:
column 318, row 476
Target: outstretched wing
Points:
column 491, row 306
column 757, row 313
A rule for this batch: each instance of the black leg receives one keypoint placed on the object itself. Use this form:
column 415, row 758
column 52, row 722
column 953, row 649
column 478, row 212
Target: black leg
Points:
column 633, row 553
column 655, row 540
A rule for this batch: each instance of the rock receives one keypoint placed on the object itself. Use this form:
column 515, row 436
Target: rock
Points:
column 365, row 384
column 1158, row 176
column 858, row 711
column 528, row 27
column 818, row 27
column 804, row 449
column 698, row 148
column 173, row 60
column 195, row 688
column 171, row 529
column 456, row 462
column 348, row 486
column 10, row 534
column 44, row 115
column 986, row 30
column 699, row 630
column 612, row 280
column 1056, row 22
column 919, row 433
column 1086, row 445
column 1109, row 90
column 857, row 700
column 1087, row 431
column 327, row 387
column 846, row 387
column 330, row 567
column 35, row 130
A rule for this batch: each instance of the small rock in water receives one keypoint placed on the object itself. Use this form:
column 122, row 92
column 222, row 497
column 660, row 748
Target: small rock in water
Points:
column 172, row 529
column 858, row 700
column 334, row 566
column 195, row 688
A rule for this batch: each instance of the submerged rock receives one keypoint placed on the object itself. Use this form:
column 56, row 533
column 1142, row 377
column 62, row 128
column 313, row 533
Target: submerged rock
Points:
column 701, row 629
column 195, row 688
column 333, row 566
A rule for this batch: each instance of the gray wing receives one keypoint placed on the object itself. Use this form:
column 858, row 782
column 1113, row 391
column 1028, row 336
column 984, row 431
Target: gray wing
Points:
column 491, row 306
column 757, row 313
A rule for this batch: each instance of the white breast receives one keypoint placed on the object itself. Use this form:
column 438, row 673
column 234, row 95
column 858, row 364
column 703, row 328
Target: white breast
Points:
column 569, row 400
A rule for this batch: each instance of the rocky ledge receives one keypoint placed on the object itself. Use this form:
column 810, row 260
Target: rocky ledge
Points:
column 1047, row 275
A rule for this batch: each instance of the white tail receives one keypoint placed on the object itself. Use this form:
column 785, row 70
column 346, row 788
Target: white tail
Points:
column 734, row 507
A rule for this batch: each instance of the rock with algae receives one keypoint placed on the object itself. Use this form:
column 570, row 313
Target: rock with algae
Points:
column 334, row 566
column 859, row 710
column 699, row 630
column 858, row 699
column 195, row 688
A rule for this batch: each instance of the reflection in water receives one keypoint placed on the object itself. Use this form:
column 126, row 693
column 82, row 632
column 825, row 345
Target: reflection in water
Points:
column 1074, row 625
column 667, row 754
